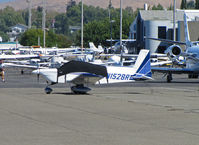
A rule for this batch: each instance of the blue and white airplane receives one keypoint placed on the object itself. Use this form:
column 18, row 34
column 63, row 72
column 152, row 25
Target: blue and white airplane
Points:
column 191, row 56
column 80, row 73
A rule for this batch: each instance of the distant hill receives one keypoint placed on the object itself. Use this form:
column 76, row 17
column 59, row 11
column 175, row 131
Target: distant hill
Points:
column 59, row 5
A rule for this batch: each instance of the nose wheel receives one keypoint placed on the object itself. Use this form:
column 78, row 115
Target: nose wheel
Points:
column 48, row 90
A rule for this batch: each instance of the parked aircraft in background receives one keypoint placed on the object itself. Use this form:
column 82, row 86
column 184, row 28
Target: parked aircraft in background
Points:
column 81, row 73
column 95, row 49
column 191, row 56
column 116, row 47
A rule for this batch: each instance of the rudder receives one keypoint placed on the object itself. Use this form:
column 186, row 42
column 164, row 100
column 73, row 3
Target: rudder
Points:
column 143, row 64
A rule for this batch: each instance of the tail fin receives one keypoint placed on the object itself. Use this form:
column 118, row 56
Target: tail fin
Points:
column 100, row 48
column 143, row 64
column 186, row 32
column 91, row 44
column 94, row 48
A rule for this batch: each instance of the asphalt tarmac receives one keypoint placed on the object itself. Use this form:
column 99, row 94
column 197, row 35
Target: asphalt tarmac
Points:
column 140, row 113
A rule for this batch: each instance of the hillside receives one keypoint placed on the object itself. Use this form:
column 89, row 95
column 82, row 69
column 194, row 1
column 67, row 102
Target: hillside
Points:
column 59, row 5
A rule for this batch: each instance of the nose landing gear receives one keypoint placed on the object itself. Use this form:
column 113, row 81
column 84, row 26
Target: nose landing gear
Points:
column 48, row 90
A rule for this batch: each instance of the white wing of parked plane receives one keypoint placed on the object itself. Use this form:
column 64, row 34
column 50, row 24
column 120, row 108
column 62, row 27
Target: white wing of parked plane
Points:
column 5, row 65
column 7, row 57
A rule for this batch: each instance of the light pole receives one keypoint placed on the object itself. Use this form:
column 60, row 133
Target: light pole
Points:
column 29, row 13
column 44, row 22
column 174, row 20
column 121, row 48
column 111, row 21
column 82, row 28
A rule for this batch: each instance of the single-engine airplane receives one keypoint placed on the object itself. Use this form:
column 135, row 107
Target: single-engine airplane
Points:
column 80, row 73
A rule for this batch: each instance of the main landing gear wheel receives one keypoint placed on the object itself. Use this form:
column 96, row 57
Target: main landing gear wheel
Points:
column 48, row 90
column 80, row 89
column 169, row 77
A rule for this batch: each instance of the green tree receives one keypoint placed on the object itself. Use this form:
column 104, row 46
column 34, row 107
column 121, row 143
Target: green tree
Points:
column 158, row 7
column 61, row 24
column 170, row 7
column 63, row 41
column 191, row 5
column 183, row 4
column 9, row 17
column 197, row 4
column 99, row 31
column 4, row 36
column 30, row 37
column 73, row 17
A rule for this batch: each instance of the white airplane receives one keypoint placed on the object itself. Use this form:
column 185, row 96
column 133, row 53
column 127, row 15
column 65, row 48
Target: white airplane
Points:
column 95, row 49
column 116, row 47
column 191, row 56
column 80, row 73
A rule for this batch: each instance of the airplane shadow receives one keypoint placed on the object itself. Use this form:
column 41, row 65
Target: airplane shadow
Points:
column 174, row 82
column 68, row 93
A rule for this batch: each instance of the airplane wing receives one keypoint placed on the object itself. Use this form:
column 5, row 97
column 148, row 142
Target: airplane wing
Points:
column 123, row 40
column 6, row 57
column 168, row 41
column 161, row 63
column 86, row 78
column 124, row 55
column 22, row 66
column 172, row 70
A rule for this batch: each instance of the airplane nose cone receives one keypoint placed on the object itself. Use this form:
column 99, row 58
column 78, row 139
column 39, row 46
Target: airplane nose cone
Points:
column 36, row 71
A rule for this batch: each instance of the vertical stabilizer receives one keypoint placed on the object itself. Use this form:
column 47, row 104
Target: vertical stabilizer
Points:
column 186, row 32
column 91, row 44
column 94, row 48
column 143, row 64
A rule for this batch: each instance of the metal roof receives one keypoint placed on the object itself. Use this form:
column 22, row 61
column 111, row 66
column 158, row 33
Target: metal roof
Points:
column 161, row 15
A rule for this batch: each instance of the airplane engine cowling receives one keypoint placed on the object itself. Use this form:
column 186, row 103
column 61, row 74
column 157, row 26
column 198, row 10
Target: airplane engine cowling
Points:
column 174, row 51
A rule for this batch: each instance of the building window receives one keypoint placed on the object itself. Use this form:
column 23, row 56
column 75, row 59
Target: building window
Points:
column 134, row 35
column 162, row 32
column 177, row 34
column 161, row 49
column 170, row 34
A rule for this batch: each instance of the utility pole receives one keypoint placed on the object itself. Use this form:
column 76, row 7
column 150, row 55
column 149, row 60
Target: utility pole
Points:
column 110, row 20
column 121, row 48
column 174, row 20
column 30, row 13
column 82, row 28
column 109, row 9
column 44, row 22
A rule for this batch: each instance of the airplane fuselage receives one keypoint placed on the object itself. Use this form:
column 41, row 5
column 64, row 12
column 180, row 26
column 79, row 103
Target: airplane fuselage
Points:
column 192, row 62
column 115, row 75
